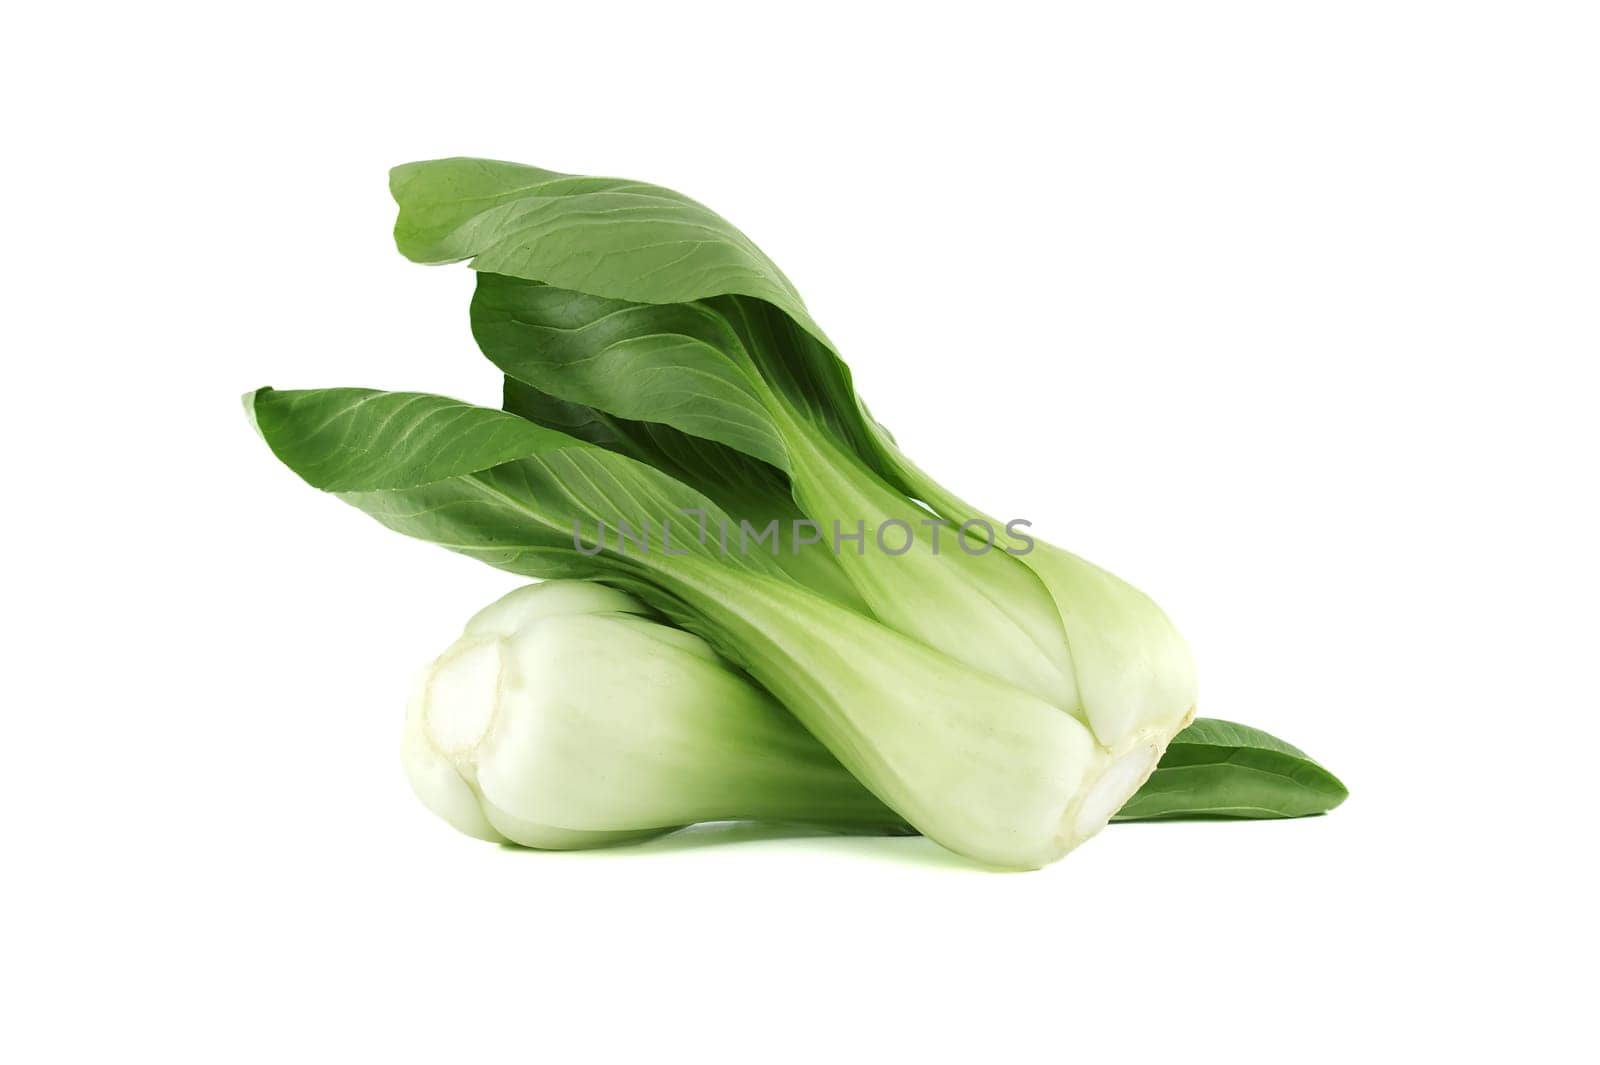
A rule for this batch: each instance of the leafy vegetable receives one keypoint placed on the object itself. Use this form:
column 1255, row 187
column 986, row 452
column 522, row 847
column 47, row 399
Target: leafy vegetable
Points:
column 564, row 717
column 665, row 385
column 985, row 768
column 634, row 300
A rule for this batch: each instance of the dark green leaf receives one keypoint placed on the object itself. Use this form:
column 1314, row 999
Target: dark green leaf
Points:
column 1218, row 769
column 360, row 439
column 634, row 243
column 681, row 365
column 482, row 482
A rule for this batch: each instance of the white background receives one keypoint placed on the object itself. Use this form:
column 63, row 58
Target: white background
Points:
column 1287, row 313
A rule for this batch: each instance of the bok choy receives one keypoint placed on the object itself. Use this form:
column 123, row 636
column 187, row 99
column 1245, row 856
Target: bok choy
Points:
column 676, row 427
column 566, row 717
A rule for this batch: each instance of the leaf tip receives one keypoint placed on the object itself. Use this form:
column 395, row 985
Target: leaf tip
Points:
column 249, row 402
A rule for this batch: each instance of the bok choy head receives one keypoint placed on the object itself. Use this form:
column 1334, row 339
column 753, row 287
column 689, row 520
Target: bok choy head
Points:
column 564, row 717
column 663, row 378
column 641, row 306
column 976, row 763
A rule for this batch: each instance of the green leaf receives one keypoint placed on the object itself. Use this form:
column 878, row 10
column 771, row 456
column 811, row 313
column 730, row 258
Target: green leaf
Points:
column 681, row 365
column 1219, row 769
column 483, row 482
column 728, row 369
column 637, row 243
column 605, row 236
column 360, row 439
